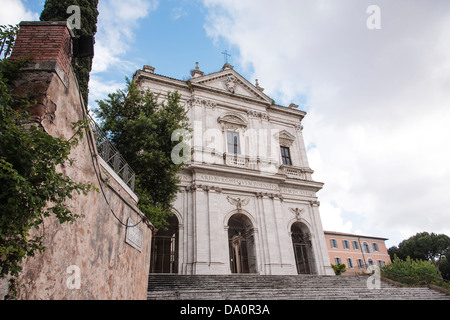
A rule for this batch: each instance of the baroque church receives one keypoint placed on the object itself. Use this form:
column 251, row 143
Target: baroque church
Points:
column 247, row 201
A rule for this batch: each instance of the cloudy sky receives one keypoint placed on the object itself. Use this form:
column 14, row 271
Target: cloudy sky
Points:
column 378, row 100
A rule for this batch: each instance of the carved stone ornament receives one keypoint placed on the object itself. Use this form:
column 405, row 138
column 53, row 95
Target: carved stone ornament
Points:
column 201, row 102
column 238, row 202
column 230, row 83
column 232, row 121
column 298, row 212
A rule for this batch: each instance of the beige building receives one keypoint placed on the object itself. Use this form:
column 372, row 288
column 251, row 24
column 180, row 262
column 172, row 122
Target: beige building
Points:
column 247, row 201
column 357, row 252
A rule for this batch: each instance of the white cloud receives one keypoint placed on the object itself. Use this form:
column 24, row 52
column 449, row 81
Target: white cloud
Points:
column 117, row 23
column 377, row 101
column 14, row 11
column 177, row 13
column 103, row 88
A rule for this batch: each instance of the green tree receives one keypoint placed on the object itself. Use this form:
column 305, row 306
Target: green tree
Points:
column 56, row 10
column 425, row 246
column 444, row 267
column 31, row 188
column 141, row 128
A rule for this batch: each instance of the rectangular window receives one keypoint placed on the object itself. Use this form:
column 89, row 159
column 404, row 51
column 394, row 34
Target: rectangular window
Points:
column 333, row 243
column 350, row 263
column 346, row 244
column 233, row 142
column 286, row 156
column 355, row 245
column 337, row 260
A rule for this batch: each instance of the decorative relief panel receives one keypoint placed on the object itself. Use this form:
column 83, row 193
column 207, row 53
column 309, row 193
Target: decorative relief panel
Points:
column 232, row 121
column 201, row 102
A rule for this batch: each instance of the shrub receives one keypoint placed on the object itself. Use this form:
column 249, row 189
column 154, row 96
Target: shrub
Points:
column 339, row 268
column 412, row 272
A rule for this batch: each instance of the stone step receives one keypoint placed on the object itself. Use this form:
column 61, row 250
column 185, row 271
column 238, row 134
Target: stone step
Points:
column 297, row 287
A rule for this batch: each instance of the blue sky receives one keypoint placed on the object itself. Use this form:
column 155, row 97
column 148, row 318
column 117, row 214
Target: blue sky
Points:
column 377, row 99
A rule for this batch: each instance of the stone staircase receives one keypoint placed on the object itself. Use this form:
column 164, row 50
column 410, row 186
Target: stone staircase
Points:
column 271, row 287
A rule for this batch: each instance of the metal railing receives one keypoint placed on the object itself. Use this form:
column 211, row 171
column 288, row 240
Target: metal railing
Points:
column 111, row 155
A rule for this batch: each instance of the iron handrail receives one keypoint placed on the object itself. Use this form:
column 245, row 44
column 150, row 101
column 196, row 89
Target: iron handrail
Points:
column 108, row 152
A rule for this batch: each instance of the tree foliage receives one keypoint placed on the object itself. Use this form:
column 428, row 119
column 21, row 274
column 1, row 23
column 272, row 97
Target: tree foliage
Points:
column 31, row 187
column 424, row 246
column 8, row 36
column 56, row 10
column 141, row 128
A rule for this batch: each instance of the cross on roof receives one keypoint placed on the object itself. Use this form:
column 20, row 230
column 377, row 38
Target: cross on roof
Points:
column 226, row 55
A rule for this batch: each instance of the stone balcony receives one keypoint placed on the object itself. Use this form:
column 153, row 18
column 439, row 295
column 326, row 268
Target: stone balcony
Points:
column 212, row 156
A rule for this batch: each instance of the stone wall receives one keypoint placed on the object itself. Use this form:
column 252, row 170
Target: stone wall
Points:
column 92, row 258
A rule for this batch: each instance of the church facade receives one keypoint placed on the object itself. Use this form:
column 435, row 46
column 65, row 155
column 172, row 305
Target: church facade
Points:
column 247, row 201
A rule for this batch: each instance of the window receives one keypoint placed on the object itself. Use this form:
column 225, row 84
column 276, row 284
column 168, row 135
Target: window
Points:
column 361, row 264
column 350, row 263
column 380, row 263
column 346, row 244
column 375, row 247
column 366, row 247
column 370, row 262
column 233, row 142
column 337, row 260
column 333, row 243
column 355, row 245
column 286, row 156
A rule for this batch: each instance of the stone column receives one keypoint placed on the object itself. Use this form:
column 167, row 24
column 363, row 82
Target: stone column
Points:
column 322, row 258
column 202, row 231
column 262, row 235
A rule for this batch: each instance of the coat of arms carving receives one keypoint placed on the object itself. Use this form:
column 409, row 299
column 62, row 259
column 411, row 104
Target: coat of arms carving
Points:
column 231, row 83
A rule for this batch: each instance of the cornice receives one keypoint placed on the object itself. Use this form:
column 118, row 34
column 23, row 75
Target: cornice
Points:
column 142, row 75
column 242, row 173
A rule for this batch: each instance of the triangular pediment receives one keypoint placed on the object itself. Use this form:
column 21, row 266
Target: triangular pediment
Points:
column 285, row 138
column 230, row 82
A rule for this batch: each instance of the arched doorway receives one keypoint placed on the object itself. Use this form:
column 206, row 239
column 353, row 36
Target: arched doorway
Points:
column 164, row 257
column 241, row 244
column 301, row 241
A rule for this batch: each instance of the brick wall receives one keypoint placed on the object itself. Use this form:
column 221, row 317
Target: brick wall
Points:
column 45, row 42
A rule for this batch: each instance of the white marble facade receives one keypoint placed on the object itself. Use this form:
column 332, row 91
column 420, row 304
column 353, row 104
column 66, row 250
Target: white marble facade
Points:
column 247, row 201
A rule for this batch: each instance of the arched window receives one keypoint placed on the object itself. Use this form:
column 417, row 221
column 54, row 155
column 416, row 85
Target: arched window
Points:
column 366, row 247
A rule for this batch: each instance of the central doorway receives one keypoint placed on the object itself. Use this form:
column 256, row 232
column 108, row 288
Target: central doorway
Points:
column 241, row 244
column 301, row 241
column 164, row 257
